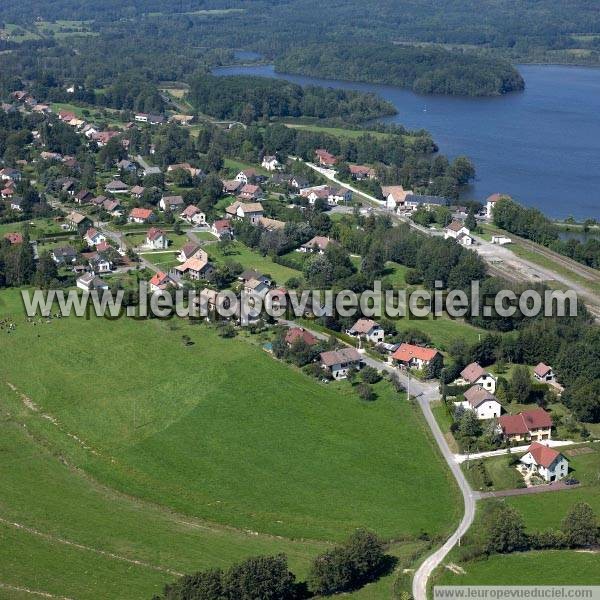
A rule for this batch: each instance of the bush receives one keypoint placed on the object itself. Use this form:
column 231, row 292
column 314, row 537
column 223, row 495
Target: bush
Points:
column 365, row 392
column 360, row 560
column 370, row 375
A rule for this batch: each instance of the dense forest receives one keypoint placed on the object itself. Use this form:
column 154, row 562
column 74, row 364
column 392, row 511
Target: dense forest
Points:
column 425, row 70
column 249, row 98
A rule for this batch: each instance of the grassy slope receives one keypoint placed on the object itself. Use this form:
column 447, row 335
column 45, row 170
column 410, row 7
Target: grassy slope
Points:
column 250, row 259
column 552, row 567
column 203, row 412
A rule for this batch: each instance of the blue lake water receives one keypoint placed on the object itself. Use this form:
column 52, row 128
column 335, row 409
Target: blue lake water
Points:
column 541, row 146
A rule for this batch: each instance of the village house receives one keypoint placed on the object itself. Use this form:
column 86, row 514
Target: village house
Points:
column 415, row 357
column 293, row 334
column 192, row 214
column 367, row 329
column 361, row 172
column 171, row 203
column 141, row 215
column 89, row 282
column 324, row 158
column 252, row 211
column 249, row 274
column 231, row 186
column 299, row 182
column 64, row 255
column 222, row 229
column 77, row 222
column 156, row 239
column 8, row 191
column 475, row 374
column 117, row 187
column 258, row 287
column 194, row 268
column 318, row 244
column 249, row 191
column 84, row 197
column 189, row 250
column 529, row 425
column 543, row 373
column 414, row 201
column 270, row 163
column 457, row 231
column 490, row 203
column 99, row 262
column 111, row 206
column 93, row 237
column 549, row 464
column 126, row 165
column 136, row 191
column 161, row 281
column 10, row 174
column 339, row 362
column 182, row 119
column 483, row 402
column 185, row 167
column 271, row 224
column 249, row 176
column 394, row 196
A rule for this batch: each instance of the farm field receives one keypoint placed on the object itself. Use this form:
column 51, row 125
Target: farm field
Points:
column 173, row 427
column 249, row 259
column 548, row 567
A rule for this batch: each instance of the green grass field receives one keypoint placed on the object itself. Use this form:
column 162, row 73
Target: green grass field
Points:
column 250, row 259
column 549, row 567
column 202, row 411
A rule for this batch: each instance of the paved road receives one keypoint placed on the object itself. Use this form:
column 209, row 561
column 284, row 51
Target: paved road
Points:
column 501, row 260
column 556, row 486
column 460, row 458
column 426, row 392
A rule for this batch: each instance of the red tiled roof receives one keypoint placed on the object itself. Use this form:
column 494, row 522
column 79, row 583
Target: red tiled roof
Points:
column 154, row 233
column 14, row 237
column 542, row 370
column 477, row 395
column 299, row 333
column 336, row 357
column 140, row 213
column 542, row 454
column 472, row 372
column 525, row 422
column 406, row 352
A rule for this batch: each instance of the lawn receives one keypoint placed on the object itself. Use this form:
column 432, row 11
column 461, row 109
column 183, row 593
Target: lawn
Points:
column 503, row 475
column 235, row 166
column 176, row 241
column 221, row 431
column 545, row 511
column 37, row 228
column 249, row 259
column 341, row 132
column 549, row 567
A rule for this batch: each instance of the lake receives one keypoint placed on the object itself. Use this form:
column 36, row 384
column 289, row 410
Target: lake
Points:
column 541, row 146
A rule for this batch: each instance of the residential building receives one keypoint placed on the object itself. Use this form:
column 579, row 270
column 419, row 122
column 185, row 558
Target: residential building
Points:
column 89, row 282
column 270, row 163
column 222, row 229
column 250, row 191
column 324, row 158
column 194, row 215
column 490, row 203
column 64, row 255
column 93, row 237
column 543, row 373
column 394, row 196
column 457, row 231
column 189, row 250
column 117, row 187
column 549, row 464
column 141, row 215
column 171, row 203
column 528, row 425
column 193, row 268
column 367, row 329
column 361, row 172
column 156, row 239
column 475, row 374
column 483, row 402
column 161, row 281
column 75, row 221
column 414, row 201
column 317, row 244
column 415, row 357
column 83, row 197
column 339, row 362
column 294, row 334
column 251, row 211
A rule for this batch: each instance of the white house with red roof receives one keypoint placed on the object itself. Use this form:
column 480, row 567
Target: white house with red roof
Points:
column 193, row 215
column 544, row 373
column 156, row 239
column 367, row 329
column 475, row 374
column 141, row 215
column 222, row 229
column 457, row 231
column 395, row 196
column 528, row 425
column 414, row 357
column 93, row 237
column 549, row 464
column 491, row 202
column 161, row 281
column 324, row 158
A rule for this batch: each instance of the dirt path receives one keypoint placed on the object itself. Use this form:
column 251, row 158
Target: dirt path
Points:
column 15, row 588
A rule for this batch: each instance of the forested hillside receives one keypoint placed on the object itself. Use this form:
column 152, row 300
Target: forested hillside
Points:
column 425, row 70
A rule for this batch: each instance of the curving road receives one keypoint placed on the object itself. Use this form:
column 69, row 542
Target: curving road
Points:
column 423, row 573
column 425, row 393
